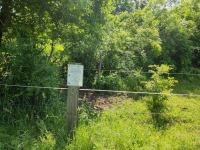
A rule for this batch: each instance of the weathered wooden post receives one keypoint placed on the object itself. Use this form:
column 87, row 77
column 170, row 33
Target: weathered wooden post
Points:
column 74, row 81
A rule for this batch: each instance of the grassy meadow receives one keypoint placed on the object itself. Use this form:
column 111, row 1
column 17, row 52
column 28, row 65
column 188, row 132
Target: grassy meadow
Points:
column 125, row 124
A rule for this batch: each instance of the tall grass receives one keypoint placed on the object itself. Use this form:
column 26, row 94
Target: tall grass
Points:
column 124, row 126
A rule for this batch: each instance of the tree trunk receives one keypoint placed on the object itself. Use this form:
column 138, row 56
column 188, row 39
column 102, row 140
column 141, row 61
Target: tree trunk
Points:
column 52, row 49
column 1, row 34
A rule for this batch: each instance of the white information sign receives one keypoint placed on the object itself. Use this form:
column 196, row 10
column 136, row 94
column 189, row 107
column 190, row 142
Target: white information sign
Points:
column 75, row 75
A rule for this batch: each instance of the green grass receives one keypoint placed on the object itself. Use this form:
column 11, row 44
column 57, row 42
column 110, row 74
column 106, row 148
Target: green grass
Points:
column 121, row 127
column 188, row 85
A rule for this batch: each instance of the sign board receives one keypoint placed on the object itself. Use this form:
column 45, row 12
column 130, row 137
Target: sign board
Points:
column 75, row 75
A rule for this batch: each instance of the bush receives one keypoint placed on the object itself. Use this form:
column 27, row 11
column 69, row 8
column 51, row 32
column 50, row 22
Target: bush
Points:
column 134, row 81
column 110, row 82
column 27, row 66
column 158, row 84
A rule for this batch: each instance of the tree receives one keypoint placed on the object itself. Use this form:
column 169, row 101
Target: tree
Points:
column 128, row 6
column 176, row 31
column 26, row 27
column 20, row 17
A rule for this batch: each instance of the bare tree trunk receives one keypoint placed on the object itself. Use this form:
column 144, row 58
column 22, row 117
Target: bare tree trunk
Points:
column 52, row 49
column 1, row 34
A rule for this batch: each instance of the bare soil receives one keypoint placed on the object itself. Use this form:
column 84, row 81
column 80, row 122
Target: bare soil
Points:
column 99, row 100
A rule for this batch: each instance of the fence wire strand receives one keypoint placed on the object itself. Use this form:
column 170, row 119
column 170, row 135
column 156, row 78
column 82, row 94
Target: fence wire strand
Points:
column 114, row 70
column 96, row 90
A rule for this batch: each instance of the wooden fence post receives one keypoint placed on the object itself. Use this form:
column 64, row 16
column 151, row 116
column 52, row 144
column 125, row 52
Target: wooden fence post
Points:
column 74, row 81
column 72, row 106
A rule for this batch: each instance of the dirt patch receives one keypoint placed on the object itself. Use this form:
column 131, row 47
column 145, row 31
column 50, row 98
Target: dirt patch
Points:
column 100, row 101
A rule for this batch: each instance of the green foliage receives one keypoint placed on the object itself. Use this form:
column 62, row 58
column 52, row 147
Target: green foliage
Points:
column 145, row 39
column 157, row 103
column 176, row 43
column 110, row 82
column 38, row 36
column 133, row 81
column 124, row 126
column 120, row 81
column 131, row 34
column 27, row 67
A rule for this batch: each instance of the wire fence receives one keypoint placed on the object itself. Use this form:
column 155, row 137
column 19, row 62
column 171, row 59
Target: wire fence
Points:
column 95, row 90
column 116, row 70
column 98, row 90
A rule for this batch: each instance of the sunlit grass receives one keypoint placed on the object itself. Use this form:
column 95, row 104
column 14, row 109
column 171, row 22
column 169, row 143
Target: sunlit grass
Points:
column 124, row 127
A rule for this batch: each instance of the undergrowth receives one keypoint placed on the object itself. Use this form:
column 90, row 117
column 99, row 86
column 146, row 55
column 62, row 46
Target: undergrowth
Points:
column 127, row 125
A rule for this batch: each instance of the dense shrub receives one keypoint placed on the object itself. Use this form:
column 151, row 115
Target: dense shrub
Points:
column 110, row 82
column 26, row 66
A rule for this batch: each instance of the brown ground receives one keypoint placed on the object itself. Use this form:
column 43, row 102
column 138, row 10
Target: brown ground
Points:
column 100, row 101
